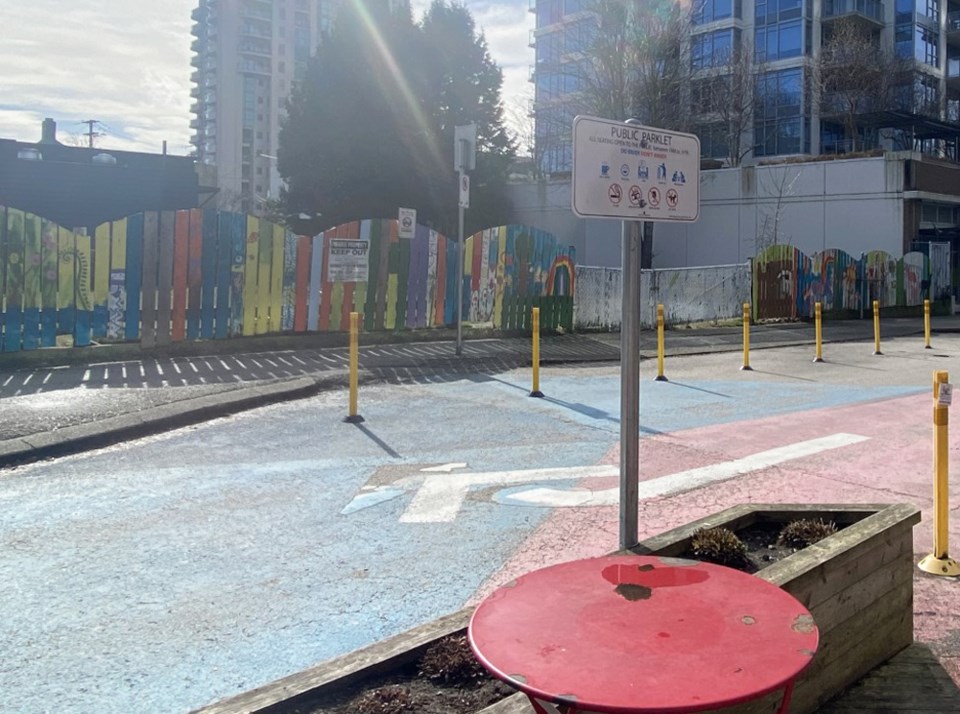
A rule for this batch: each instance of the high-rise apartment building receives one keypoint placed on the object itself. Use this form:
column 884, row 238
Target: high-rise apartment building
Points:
column 248, row 53
column 787, row 37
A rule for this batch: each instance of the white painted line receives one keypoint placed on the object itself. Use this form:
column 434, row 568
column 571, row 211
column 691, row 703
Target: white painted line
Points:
column 684, row 480
column 86, row 376
column 440, row 497
column 444, row 468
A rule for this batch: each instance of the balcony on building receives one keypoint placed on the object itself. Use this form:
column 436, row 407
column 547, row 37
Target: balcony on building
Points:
column 953, row 72
column 532, row 6
column 195, row 76
column 868, row 13
column 254, row 67
column 256, row 46
column 953, row 27
column 195, row 123
column 255, row 10
column 249, row 29
column 532, row 38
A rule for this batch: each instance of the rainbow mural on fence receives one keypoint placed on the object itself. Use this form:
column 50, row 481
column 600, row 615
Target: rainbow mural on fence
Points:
column 787, row 283
column 172, row 276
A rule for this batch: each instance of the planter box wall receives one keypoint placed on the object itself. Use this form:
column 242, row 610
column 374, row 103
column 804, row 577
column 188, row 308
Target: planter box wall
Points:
column 857, row 583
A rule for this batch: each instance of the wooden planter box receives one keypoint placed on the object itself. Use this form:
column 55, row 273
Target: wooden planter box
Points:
column 858, row 583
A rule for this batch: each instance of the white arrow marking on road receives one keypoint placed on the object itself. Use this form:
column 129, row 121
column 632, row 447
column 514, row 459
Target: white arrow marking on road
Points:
column 684, row 480
column 440, row 497
column 444, row 468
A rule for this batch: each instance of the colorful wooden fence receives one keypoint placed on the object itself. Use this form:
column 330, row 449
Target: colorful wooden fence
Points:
column 787, row 283
column 171, row 276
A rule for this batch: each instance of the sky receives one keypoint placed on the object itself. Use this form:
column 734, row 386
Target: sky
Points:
column 126, row 63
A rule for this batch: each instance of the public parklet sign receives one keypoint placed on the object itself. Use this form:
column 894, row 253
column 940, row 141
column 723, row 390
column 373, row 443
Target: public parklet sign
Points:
column 634, row 172
column 348, row 261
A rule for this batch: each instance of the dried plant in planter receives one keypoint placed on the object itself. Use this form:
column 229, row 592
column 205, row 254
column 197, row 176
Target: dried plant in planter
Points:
column 805, row 531
column 719, row 545
column 452, row 661
column 391, row 699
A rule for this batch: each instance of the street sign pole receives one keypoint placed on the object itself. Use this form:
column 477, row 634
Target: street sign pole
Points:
column 630, row 383
column 460, row 274
column 464, row 160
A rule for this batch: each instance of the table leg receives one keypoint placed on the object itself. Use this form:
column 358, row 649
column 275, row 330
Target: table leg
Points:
column 785, row 702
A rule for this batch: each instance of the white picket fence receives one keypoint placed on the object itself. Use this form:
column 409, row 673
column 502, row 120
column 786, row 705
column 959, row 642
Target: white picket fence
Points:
column 687, row 295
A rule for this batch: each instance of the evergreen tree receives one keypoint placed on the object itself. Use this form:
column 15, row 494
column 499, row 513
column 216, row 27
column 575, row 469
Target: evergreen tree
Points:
column 369, row 128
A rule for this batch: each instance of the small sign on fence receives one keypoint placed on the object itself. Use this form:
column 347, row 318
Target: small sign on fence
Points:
column 349, row 261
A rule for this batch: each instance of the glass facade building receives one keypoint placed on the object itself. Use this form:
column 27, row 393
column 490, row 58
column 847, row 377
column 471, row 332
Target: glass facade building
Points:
column 786, row 38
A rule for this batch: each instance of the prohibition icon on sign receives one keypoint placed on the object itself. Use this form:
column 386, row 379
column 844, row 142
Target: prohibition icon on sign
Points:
column 654, row 196
column 615, row 193
column 672, row 198
column 636, row 196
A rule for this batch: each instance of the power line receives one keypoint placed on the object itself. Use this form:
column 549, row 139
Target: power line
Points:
column 91, row 133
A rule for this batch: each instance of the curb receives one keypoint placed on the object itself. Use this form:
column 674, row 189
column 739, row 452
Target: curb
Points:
column 166, row 417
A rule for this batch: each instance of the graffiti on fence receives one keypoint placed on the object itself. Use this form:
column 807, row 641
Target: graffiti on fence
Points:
column 787, row 283
column 187, row 275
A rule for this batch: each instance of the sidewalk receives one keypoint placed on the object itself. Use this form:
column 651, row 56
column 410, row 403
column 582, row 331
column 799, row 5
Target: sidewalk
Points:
column 111, row 393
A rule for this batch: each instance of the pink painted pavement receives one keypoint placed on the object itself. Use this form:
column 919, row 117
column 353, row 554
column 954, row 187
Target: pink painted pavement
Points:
column 893, row 465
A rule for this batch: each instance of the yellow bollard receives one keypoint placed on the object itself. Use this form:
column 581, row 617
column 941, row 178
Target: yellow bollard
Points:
column 818, row 318
column 939, row 562
column 746, row 337
column 535, row 392
column 926, row 325
column 660, row 376
column 876, row 328
column 353, row 417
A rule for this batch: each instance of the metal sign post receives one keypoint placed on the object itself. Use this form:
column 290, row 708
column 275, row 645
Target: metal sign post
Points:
column 635, row 173
column 464, row 159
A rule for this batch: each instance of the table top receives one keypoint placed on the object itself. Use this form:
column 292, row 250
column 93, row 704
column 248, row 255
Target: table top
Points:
column 628, row 634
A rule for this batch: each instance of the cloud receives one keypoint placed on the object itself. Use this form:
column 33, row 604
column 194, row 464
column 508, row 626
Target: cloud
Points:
column 126, row 63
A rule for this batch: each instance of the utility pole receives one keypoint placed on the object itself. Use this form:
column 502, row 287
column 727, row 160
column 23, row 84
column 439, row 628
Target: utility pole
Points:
column 91, row 133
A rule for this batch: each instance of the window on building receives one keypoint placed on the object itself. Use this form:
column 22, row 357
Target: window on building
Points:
column 774, row 42
column 779, row 127
column 712, row 10
column 713, row 140
column 926, row 47
column 549, row 12
column 712, row 49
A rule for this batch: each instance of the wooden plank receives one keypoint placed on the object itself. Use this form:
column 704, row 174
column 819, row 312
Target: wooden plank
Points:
column 500, row 275
column 393, row 268
column 214, row 259
column 133, row 276
column 66, row 281
column 49, row 261
column 440, row 298
column 225, row 262
column 237, row 227
column 194, row 274
column 82, row 284
column 389, row 235
column 32, row 266
column 517, row 703
column 148, row 292
column 13, row 282
column 117, row 288
column 102, row 244
column 450, row 301
column 264, row 279
column 404, row 251
column 433, row 239
column 373, row 285
column 316, row 282
column 326, row 290
column 165, row 276
column 416, row 279
column 3, row 268
column 302, row 286
column 251, row 292
column 181, row 258
column 288, row 281
column 353, row 667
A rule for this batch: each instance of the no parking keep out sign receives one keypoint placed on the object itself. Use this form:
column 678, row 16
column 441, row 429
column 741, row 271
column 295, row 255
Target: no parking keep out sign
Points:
column 348, row 261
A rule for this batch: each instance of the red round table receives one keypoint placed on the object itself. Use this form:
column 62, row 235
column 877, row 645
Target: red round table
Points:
column 630, row 634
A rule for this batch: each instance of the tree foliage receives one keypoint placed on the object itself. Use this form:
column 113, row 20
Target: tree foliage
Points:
column 369, row 127
column 856, row 75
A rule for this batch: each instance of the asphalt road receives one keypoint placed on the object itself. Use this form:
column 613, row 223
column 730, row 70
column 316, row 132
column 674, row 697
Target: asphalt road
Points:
column 173, row 570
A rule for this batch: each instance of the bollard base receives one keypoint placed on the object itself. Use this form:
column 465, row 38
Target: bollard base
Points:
column 927, row 347
column 536, row 393
column 878, row 352
column 660, row 378
column 746, row 368
column 939, row 566
column 818, row 359
column 354, row 419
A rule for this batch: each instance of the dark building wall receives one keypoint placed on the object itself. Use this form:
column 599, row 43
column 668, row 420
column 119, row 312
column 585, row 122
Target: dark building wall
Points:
column 68, row 187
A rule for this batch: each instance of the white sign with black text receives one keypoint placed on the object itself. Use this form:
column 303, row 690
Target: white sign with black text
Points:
column 408, row 222
column 349, row 261
column 634, row 172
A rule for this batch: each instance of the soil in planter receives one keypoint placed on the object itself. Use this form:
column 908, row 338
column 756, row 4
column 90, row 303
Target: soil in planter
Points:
column 762, row 546
column 408, row 691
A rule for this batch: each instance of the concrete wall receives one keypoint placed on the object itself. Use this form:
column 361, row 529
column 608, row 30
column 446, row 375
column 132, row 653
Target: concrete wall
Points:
column 853, row 204
column 687, row 295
